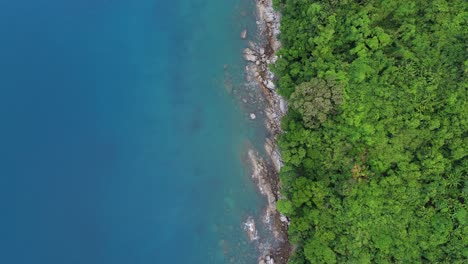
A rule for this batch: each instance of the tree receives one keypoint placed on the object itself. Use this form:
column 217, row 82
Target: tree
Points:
column 316, row 100
column 374, row 149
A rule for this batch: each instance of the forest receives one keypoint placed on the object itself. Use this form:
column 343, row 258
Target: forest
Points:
column 375, row 140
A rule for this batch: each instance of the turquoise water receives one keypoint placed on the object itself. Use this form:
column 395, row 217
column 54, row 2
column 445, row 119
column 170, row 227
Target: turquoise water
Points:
column 121, row 138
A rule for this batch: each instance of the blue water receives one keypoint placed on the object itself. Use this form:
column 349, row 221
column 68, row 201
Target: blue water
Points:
column 118, row 141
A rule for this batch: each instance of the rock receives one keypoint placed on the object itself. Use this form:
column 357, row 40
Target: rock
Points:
column 275, row 58
column 283, row 105
column 269, row 17
column 273, row 152
column 262, row 51
column 284, row 219
column 257, row 62
column 252, row 116
column 244, row 100
column 249, row 55
column 270, row 85
column 243, row 34
column 249, row 227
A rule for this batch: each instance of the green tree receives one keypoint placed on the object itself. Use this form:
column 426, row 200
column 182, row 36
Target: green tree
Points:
column 316, row 100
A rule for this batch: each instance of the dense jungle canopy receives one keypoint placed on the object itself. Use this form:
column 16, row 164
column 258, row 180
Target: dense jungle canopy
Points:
column 375, row 141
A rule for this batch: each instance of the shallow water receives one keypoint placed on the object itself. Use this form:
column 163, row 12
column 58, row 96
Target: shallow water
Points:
column 123, row 137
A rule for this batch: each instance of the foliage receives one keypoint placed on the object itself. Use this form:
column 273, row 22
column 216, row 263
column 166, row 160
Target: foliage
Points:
column 375, row 144
column 316, row 100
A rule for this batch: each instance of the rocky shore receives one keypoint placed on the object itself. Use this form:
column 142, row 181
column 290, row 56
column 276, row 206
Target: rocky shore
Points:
column 266, row 172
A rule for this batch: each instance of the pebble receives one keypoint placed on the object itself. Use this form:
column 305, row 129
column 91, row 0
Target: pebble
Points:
column 252, row 116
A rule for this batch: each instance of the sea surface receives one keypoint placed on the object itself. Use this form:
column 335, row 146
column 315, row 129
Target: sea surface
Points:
column 122, row 136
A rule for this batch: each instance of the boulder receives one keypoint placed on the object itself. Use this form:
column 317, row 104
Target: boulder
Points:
column 249, row 55
column 270, row 85
column 269, row 17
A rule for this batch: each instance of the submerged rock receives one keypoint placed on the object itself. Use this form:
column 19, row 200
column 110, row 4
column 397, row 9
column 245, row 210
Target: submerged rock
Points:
column 243, row 34
column 252, row 116
column 249, row 227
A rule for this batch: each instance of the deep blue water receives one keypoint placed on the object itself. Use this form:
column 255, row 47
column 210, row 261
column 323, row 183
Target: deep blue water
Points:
column 118, row 140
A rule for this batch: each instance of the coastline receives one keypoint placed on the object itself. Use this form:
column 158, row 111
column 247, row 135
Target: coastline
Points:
column 265, row 173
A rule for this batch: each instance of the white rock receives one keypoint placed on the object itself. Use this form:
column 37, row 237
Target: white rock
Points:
column 269, row 17
column 249, row 227
column 252, row 116
column 249, row 55
column 283, row 105
column 270, row 85
column 251, row 58
column 275, row 58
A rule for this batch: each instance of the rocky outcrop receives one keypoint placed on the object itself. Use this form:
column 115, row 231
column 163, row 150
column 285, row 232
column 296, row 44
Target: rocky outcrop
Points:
column 262, row 55
column 265, row 173
column 267, row 181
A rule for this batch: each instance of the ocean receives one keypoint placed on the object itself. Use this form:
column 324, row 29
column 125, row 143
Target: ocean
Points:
column 122, row 136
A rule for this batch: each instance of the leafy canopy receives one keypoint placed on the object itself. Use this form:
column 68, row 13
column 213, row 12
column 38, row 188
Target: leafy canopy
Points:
column 375, row 143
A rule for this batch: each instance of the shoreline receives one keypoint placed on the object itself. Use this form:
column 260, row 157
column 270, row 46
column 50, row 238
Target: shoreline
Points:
column 265, row 173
